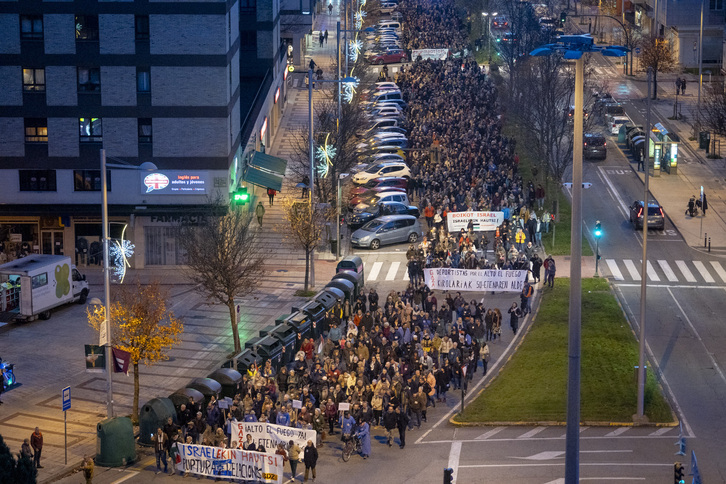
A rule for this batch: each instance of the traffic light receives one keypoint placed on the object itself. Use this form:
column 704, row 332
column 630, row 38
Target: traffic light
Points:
column 563, row 18
column 448, row 475
column 598, row 229
column 241, row 196
column 678, row 477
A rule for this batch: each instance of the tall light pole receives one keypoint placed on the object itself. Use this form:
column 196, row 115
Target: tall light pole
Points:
column 573, row 47
column 338, row 244
column 489, row 16
column 105, row 337
column 700, row 57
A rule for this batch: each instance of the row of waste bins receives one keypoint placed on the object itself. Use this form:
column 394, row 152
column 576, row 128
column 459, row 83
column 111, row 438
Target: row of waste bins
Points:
column 277, row 343
column 280, row 342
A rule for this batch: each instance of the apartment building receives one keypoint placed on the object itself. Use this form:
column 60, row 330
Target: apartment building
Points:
column 196, row 88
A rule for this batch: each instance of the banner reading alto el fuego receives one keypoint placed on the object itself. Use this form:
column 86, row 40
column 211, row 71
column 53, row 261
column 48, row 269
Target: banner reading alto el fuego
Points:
column 446, row 279
column 236, row 464
column 269, row 435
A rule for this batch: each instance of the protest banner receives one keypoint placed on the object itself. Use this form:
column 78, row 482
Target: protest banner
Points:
column 204, row 460
column 482, row 221
column 443, row 278
column 434, row 54
column 269, row 435
column 343, row 406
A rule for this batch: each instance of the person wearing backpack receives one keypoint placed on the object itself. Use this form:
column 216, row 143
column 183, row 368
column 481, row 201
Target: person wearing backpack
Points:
column 525, row 297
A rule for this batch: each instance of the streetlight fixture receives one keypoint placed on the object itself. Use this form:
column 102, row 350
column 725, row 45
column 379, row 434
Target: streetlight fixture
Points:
column 489, row 17
column 105, row 336
column 311, row 143
column 573, row 47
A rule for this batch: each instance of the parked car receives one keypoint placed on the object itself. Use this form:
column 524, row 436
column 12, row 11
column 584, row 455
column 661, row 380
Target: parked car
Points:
column 389, row 229
column 594, row 146
column 656, row 217
column 384, row 157
column 613, row 122
column 389, row 168
column 390, row 145
column 392, row 102
column 384, row 181
column 391, row 56
column 385, row 85
column 386, row 112
column 370, row 193
column 357, row 219
column 613, row 109
column 384, row 129
column 500, row 22
column 393, row 195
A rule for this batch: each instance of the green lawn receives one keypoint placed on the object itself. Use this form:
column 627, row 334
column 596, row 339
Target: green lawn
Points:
column 532, row 386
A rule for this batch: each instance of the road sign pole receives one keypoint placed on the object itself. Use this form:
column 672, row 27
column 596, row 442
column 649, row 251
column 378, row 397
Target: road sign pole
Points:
column 597, row 254
column 65, row 434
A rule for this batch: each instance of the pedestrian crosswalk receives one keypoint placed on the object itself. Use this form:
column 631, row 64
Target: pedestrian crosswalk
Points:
column 677, row 271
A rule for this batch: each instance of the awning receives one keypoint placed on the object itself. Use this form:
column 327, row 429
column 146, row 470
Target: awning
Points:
column 263, row 178
column 268, row 163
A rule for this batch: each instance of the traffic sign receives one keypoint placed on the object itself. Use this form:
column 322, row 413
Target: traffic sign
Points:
column 66, row 398
column 637, row 50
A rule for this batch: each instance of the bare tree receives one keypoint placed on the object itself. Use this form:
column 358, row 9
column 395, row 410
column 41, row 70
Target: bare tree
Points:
column 525, row 34
column 657, row 54
column 713, row 109
column 223, row 258
column 306, row 227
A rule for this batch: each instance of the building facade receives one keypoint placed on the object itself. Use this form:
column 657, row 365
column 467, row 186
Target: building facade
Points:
column 175, row 83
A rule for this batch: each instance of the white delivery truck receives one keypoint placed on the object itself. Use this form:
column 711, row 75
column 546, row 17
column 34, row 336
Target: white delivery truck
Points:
column 33, row 285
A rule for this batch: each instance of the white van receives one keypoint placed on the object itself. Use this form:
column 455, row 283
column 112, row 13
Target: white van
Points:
column 386, row 96
column 389, row 24
column 31, row 286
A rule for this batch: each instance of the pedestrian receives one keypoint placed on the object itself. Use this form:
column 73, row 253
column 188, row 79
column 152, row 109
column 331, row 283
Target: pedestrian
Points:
column 641, row 160
column 293, row 453
column 271, row 192
column 36, row 442
column 484, row 355
column 305, row 185
column 390, row 422
column 321, row 39
column 330, row 9
column 678, row 85
column 401, row 423
column 364, row 434
column 550, row 271
column 312, row 65
column 173, row 451
column 683, row 86
column 160, row 440
column 536, row 267
column 704, row 204
column 514, row 314
column 260, row 212
column 88, row 469
column 25, row 451
column 326, row 36
column 310, row 458
column 525, row 296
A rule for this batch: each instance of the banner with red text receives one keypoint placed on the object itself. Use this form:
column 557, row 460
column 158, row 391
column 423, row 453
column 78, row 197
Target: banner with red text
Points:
column 482, row 221
column 269, row 435
column 204, row 460
column 446, row 279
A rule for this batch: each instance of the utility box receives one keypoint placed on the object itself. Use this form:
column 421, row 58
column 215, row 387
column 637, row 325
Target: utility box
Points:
column 704, row 139
column 153, row 415
column 115, row 445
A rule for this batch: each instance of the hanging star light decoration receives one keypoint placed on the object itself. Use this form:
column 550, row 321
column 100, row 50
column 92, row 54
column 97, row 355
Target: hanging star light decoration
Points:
column 359, row 16
column 120, row 252
column 349, row 90
column 325, row 155
column 354, row 49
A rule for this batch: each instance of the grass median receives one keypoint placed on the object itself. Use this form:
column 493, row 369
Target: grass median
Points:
column 532, row 386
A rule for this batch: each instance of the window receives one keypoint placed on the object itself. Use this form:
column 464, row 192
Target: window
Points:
column 34, row 80
column 36, row 130
column 31, row 27
column 40, row 280
column 91, row 130
column 143, row 80
column 142, row 27
column 716, row 4
column 248, row 6
column 145, row 130
column 89, row 79
column 90, row 180
column 162, row 248
column 37, row 180
column 86, row 27
column 248, row 39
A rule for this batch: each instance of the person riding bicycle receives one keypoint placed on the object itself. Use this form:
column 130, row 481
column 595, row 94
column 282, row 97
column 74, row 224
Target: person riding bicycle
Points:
column 364, row 434
column 347, row 424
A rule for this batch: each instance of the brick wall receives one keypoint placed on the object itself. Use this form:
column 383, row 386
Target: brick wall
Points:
column 61, row 85
column 117, row 34
column 60, row 33
column 10, row 38
column 11, row 80
column 187, row 137
column 118, row 85
column 12, row 136
column 63, row 134
column 181, row 34
column 189, row 86
column 120, row 136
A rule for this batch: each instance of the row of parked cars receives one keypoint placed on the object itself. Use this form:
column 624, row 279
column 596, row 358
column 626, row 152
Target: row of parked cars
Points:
column 379, row 211
column 383, row 42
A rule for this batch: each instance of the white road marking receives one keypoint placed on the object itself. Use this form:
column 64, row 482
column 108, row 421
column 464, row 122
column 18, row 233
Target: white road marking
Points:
column 704, row 272
column 490, row 433
column 670, row 275
column 623, row 205
column 560, row 464
column 392, row 271
column 373, row 274
column 686, row 271
column 630, row 266
column 542, row 439
column 661, row 431
column 617, row 431
column 719, row 270
column 615, row 270
column 582, row 429
column 454, row 455
column 651, row 272
column 125, row 478
column 531, row 433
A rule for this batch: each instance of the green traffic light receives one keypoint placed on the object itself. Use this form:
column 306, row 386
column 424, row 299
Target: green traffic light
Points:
column 598, row 230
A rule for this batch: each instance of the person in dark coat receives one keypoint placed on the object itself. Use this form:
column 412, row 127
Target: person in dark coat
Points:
column 310, row 459
column 514, row 315
column 402, row 423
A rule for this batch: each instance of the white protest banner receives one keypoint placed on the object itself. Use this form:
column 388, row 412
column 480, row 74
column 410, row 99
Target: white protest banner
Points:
column 297, row 404
column 483, row 221
column 443, row 278
column 269, row 435
column 343, row 406
column 435, row 54
column 209, row 461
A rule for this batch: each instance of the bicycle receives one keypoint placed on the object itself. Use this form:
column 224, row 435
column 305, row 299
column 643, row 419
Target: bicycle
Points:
column 352, row 445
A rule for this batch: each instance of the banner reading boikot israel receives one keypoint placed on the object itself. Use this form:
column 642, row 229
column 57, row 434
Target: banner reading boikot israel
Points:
column 482, row 221
column 209, row 461
column 446, row 279
column 269, row 435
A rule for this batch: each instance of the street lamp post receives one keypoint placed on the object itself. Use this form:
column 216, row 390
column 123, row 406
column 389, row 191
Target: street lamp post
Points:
column 105, row 338
column 573, row 47
column 489, row 16
column 338, row 244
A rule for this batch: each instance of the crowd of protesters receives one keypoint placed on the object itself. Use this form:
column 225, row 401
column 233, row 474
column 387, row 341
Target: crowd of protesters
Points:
column 432, row 25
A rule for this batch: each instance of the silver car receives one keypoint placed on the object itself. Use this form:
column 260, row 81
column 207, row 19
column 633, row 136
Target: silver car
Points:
column 389, row 229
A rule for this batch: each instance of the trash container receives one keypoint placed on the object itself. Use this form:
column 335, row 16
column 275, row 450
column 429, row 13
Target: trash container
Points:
column 229, row 379
column 266, row 330
column 287, row 336
column 350, row 263
column 153, row 415
column 270, row 348
column 300, row 322
column 244, row 361
column 354, row 277
column 115, row 446
column 316, row 311
column 333, row 246
column 344, row 287
column 704, row 137
column 207, row 387
column 183, row 395
column 252, row 342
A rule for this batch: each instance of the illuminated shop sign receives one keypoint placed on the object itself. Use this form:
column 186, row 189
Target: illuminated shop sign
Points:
column 175, row 183
column 263, row 130
column 277, row 95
